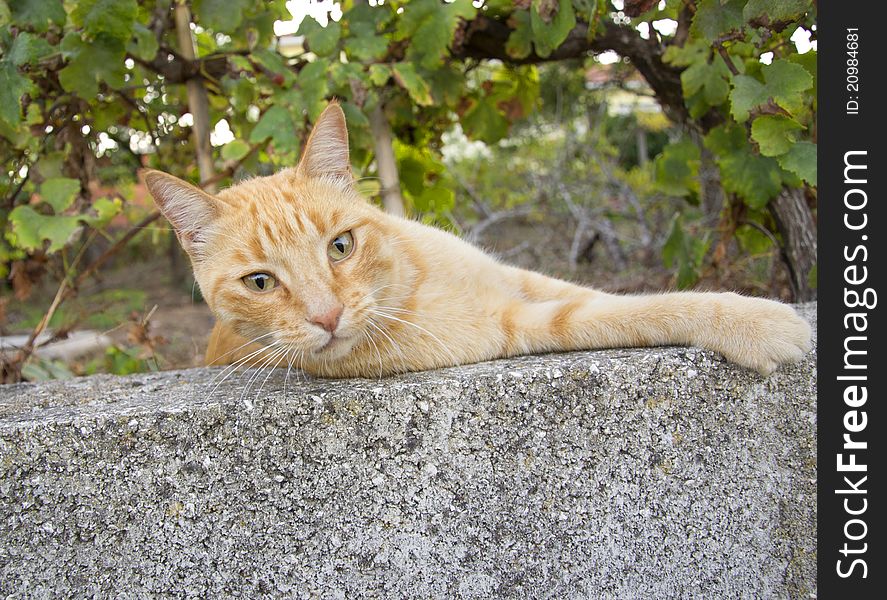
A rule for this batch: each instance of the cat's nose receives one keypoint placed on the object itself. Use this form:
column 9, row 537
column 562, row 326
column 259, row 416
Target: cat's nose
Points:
column 328, row 320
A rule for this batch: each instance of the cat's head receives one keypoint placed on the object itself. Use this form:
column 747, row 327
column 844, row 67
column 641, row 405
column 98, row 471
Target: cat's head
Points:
column 298, row 257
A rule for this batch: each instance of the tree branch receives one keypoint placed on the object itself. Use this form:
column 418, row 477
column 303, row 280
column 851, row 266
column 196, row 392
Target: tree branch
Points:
column 486, row 38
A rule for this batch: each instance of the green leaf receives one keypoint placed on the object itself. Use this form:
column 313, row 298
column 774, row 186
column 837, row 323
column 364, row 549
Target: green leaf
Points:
column 774, row 13
column 28, row 48
column 277, row 124
column 406, row 77
column 436, row 198
column 752, row 240
column 367, row 47
column 756, row 179
column 801, row 160
column 379, row 74
column 686, row 252
column 430, row 26
column 747, row 93
column 677, row 168
column 59, row 192
column 354, row 116
column 105, row 209
column 13, row 85
column 274, row 62
column 709, row 78
column 484, row 122
column 39, row 14
column 144, row 43
column 235, row 150
column 714, row 18
column 548, row 36
column 220, row 15
column 775, row 134
column 5, row 14
column 114, row 18
column 314, row 84
column 322, row 41
column 90, row 63
column 31, row 229
column 520, row 42
column 784, row 83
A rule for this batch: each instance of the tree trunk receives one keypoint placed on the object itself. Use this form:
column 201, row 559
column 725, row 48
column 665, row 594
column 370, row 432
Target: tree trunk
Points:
column 198, row 101
column 385, row 161
column 198, row 104
column 798, row 230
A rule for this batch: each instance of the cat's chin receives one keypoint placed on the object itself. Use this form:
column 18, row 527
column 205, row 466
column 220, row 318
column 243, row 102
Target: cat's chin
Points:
column 336, row 347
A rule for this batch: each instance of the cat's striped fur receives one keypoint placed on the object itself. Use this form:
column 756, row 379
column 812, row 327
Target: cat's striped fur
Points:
column 411, row 297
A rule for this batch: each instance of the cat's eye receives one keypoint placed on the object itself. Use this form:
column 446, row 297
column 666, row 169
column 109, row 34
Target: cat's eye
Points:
column 341, row 247
column 259, row 282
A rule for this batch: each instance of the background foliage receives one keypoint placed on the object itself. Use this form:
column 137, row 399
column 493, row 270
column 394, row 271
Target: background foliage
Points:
column 91, row 90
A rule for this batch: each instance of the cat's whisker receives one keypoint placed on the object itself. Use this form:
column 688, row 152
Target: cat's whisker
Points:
column 289, row 367
column 255, row 376
column 392, row 344
column 232, row 368
column 252, row 341
column 378, row 354
column 272, row 369
column 420, row 328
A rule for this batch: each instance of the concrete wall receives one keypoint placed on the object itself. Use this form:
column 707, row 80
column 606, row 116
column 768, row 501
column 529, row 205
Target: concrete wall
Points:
column 653, row 473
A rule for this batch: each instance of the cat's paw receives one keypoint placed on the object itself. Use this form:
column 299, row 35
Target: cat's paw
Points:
column 758, row 334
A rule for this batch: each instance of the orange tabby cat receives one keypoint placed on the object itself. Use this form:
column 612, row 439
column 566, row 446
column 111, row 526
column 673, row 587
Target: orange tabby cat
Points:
column 299, row 269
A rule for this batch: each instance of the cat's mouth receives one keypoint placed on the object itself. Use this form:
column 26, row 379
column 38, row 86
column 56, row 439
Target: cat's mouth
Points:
column 334, row 343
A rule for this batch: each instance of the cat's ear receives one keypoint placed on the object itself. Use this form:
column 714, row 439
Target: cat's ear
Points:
column 326, row 153
column 189, row 209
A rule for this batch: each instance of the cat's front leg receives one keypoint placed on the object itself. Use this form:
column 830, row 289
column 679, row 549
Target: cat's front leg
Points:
column 753, row 332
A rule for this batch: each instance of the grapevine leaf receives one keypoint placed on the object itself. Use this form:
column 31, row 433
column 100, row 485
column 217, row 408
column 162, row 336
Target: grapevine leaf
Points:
column 31, row 229
column 105, row 209
column 406, row 77
column 677, row 168
column 144, row 44
column 13, row 85
column 59, row 192
column 28, row 48
column 484, row 122
column 774, row 14
column 39, row 14
column 684, row 251
column 520, row 42
column 752, row 240
column 784, row 82
column 715, row 18
column 437, row 198
column 547, row 36
column 114, row 18
column 801, row 160
column 379, row 74
column 277, row 124
column 322, row 41
column 220, row 15
column 709, row 78
column 92, row 62
column 747, row 93
column 430, row 26
column 235, row 150
column 754, row 178
column 367, row 47
column 775, row 134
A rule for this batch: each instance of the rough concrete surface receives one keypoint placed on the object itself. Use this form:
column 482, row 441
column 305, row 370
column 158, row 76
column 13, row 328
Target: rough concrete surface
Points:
column 651, row 473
